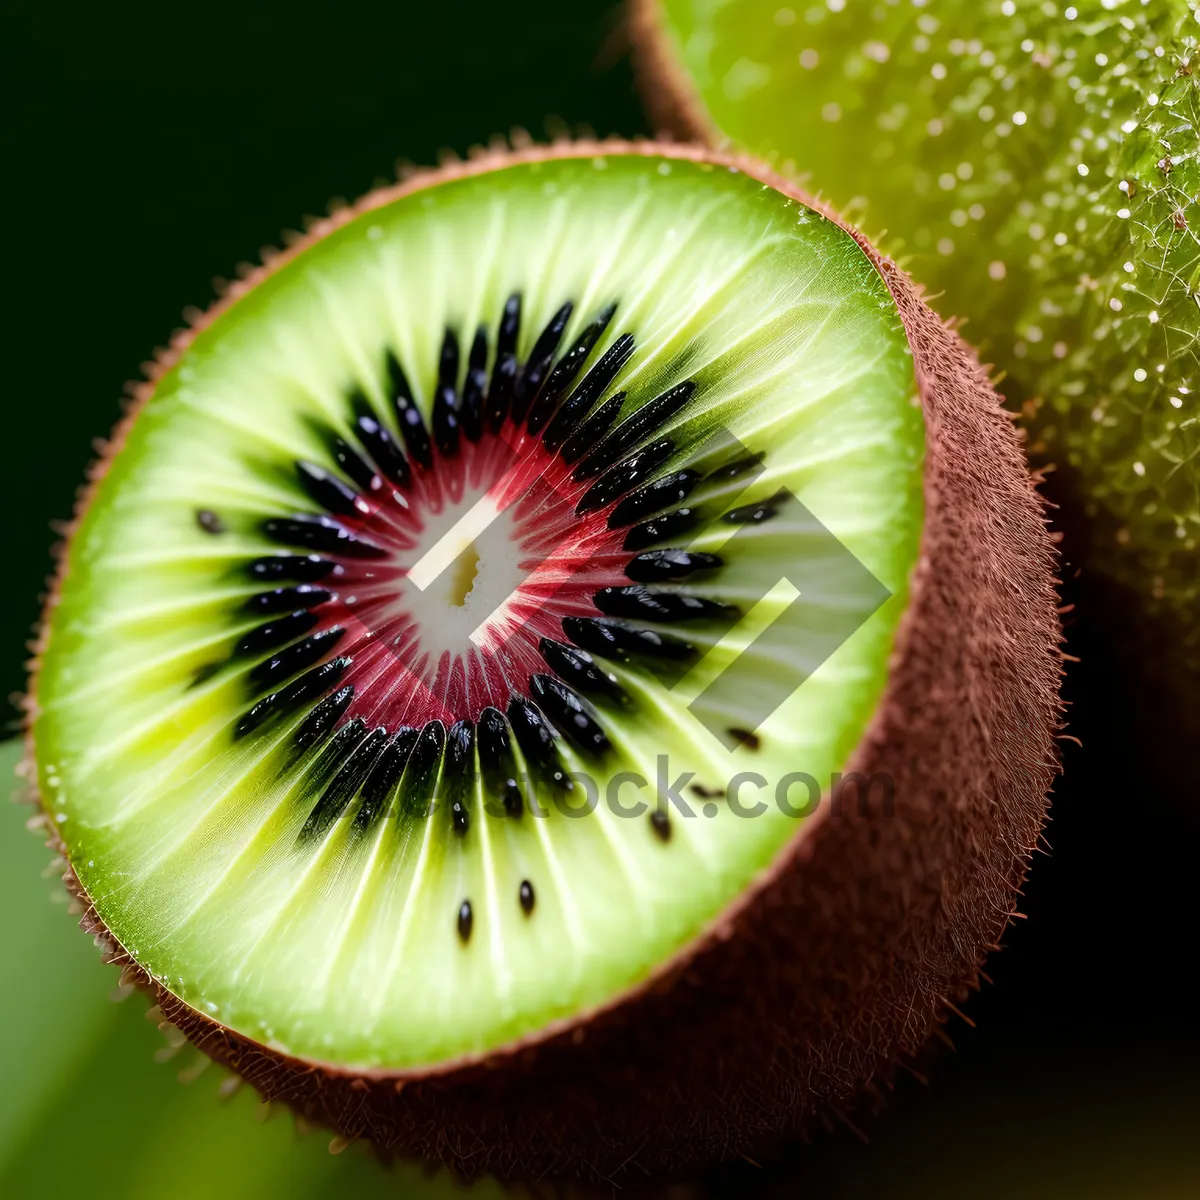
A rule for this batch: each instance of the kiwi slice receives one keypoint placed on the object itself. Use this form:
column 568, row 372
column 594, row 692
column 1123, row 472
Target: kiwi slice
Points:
column 559, row 664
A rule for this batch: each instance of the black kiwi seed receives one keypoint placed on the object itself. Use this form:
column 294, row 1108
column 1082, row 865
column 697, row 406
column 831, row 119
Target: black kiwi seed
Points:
column 458, row 771
column 657, row 565
column 735, row 469
column 354, row 465
column 564, row 371
column 445, row 399
column 209, row 521
column 500, row 391
column 504, row 372
column 329, row 491
column 343, row 787
column 593, row 385
column 749, row 514
column 276, row 633
column 625, row 476
column 536, row 738
column 283, row 664
column 385, row 775
column 381, row 446
column 660, row 529
column 661, row 824
column 654, row 497
column 510, row 326
column 636, row 427
column 319, row 723
column 537, row 366
column 615, row 639
column 334, row 755
column 570, row 715
column 579, row 669
column 408, row 415
column 305, row 567
column 421, row 771
column 300, row 691
column 526, row 897
column 203, row 674
column 474, row 387
column 590, row 432
column 496, row 760
column 466, row 918
column 279, row 600
column 319, row 533
column 639, row 602
column 746, row 738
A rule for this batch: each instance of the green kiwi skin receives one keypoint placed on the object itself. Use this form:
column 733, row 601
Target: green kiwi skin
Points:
column 1081, row 274
column 881, row 917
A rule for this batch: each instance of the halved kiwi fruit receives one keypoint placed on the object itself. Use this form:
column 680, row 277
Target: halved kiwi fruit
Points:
column 558, row 669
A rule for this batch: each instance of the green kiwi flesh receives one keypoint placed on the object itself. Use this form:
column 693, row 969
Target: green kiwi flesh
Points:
column 350, row 849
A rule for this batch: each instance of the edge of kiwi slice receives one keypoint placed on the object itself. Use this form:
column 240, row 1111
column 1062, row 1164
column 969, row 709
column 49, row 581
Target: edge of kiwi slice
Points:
column 844, row 955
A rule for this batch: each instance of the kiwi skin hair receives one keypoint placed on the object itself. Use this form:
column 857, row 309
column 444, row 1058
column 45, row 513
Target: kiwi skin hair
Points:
column 845, row 956
column 1035, row 166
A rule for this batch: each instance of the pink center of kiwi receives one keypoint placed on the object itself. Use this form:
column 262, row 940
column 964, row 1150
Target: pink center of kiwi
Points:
column 485, row 556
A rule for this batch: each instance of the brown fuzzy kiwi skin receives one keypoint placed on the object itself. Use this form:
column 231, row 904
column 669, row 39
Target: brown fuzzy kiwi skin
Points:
column 668, row 94
column 852, row 948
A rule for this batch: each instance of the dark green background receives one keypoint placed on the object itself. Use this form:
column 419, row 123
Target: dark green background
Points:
column 149, row 149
